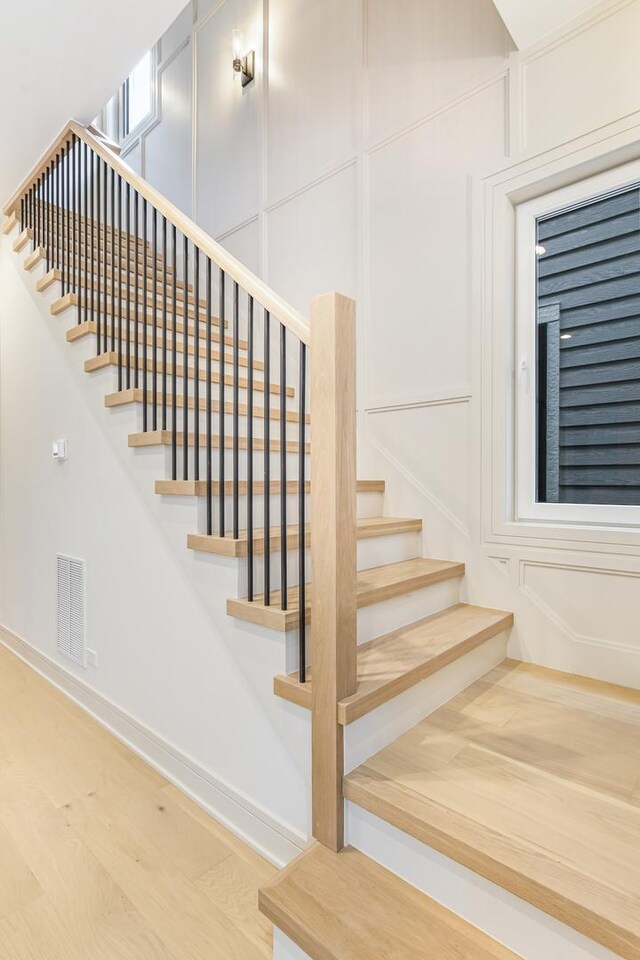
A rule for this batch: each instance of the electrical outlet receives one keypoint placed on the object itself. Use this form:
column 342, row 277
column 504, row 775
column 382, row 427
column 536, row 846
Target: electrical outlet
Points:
column 92, row 658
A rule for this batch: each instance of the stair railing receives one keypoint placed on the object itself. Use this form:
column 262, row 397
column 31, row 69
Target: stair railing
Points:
column 139, row 272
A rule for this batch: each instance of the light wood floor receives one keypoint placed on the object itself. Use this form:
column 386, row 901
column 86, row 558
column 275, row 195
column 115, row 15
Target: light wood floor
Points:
column 100, row 857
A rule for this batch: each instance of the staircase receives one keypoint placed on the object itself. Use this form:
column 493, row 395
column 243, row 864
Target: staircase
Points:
column 526, row 779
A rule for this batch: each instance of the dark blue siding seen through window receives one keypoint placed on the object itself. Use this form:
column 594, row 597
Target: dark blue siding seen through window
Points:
column 588, row 366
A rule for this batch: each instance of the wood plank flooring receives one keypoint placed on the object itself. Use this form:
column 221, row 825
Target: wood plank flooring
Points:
column 530, row 778
column 100, row 857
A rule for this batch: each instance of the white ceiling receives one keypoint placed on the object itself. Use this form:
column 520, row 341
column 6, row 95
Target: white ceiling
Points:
column 530, row 20
column 61, row 60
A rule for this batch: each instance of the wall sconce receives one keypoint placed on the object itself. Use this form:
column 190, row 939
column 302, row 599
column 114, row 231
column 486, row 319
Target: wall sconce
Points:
column 244, row 66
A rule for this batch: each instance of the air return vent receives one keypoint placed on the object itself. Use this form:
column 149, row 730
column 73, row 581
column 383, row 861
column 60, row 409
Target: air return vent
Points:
column 71, row 601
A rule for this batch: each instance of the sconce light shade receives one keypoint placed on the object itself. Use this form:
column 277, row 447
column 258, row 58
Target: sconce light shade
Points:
column 244, row 65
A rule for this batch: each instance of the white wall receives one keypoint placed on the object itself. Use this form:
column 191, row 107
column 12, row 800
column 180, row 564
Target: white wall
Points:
column 352, row 163
column 184, row 683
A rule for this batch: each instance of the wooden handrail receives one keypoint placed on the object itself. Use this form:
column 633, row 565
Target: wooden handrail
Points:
column 260, row 291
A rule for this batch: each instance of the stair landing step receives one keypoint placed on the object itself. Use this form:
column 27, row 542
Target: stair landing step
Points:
column 344, row 906
column 389, row 665
column 367, row 527
column 374, row 586
column 529, row 778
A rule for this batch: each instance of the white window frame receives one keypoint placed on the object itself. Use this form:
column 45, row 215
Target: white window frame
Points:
column 143, row 125
column 527, row 508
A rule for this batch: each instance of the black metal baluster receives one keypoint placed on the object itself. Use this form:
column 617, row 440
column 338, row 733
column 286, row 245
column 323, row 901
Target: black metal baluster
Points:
column 128, row 284
column 47, row 215
column 136, row 287
column 196, row 353
column 164, row 323
column 92, row 226
column 236, row 407
column 119, row 283
column 250, row 557
column 209, row 411
column 283, row 468
column 302, row 613
column 114, row 254
column 267, row 457
column 221, row 408
column 77, row 266
column 145, row 327
column 57, row 260
column 86, row 232
column 185, row 361
column 66, row 285
column 61, row 215
column 97, row 226
column 174, row 358
column 154, row 377
column 106, row 239
column 36, row 229
column 23, row 218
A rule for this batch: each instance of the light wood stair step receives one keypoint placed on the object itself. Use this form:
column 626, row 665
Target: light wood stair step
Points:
column 198, row 488
column 366, row 528
column 374, row 586
column 110, row 359
column 389, row 665
column 81, row 330
column 22, row 239
column 10, row 223
column 345, row 906
column 530, row 779
column 35, row 257
column 55, row 275
column 70, row 300
column 135, row 395
column 164, row 438
column 90, row 327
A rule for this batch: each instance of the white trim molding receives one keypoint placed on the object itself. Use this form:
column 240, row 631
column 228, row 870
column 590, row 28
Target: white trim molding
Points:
column 277, row 841
column 497, row 199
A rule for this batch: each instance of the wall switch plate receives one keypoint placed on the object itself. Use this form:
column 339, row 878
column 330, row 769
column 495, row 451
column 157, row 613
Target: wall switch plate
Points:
column 59, row 449
column 92, row 658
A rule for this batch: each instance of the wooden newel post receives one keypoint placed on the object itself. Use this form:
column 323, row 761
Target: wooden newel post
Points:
column 333, row 551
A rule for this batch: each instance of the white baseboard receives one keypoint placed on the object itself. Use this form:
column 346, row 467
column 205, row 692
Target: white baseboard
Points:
column 276, row 841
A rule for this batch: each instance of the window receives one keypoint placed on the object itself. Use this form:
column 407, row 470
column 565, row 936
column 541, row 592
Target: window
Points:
column 137, row 96
column 578, row 352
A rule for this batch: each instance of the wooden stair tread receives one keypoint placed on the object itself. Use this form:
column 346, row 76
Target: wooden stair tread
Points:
column 367, row 527
column 344, row 906
column 198, row 488
column 90, row 328
column 110, row 359
column 164, row 438
column 530, row 779
column 374, row 586
column 10, row 223
column 86, row 328
column 397, row 661
column 135, row 394
column 110, row 308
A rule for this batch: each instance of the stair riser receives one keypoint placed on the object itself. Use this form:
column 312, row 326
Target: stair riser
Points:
column 286, row 949
column 367, row 505
column 523, row 928
column 380, row 618
column 377, row 729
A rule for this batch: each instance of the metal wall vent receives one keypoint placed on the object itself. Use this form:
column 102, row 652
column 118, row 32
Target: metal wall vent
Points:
column 71, row 609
